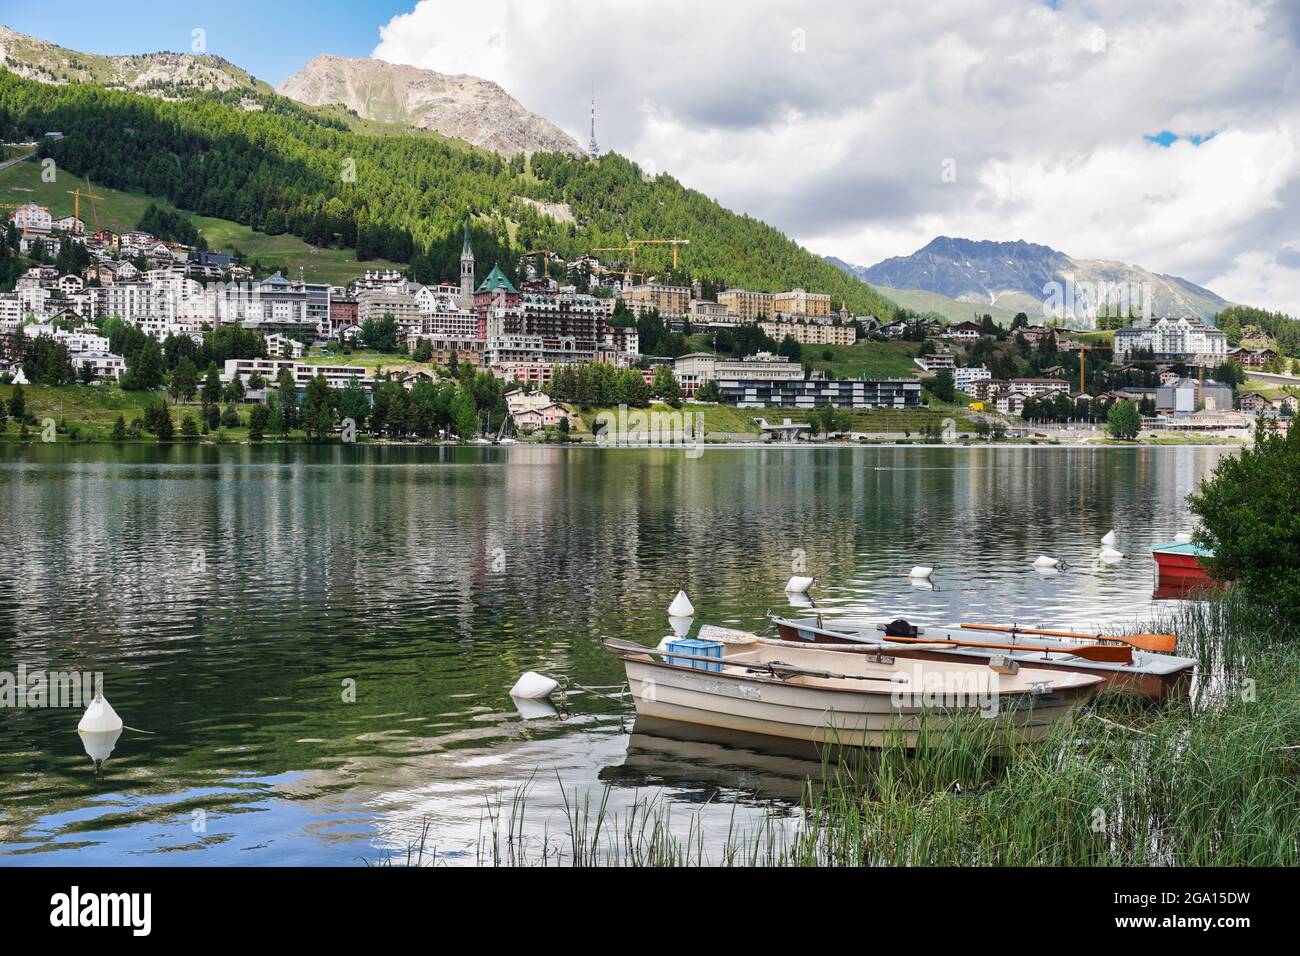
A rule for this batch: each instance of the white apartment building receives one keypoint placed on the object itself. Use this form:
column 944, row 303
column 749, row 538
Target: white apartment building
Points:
column 337, row 376
column 281, row 346
column 1038, row 387
column 968, row 375
column 762, row 366
column 706, row 312
column 32, row 219
column 401, row 305
column 933, row 363
column 104, row 364
column 1173, row 337
column 12, row 312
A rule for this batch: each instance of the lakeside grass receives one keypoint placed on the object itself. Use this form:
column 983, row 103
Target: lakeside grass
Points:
column 1213, row 780
column 717, row 418
column 865, row 359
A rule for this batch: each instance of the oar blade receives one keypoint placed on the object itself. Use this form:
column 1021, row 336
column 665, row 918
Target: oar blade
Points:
column 1164, row 643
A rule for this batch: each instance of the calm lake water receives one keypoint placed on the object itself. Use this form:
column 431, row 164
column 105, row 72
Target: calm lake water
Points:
column 230, row 595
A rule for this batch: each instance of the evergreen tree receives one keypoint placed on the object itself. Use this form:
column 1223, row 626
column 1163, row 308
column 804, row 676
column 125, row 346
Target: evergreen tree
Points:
column 317, row 409
column 18, row 405
column 665, row 386
column 259, row 417
column 184, row 380
column 163, row 426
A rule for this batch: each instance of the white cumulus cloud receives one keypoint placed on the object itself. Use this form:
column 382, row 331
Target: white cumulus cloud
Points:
column 835, row 121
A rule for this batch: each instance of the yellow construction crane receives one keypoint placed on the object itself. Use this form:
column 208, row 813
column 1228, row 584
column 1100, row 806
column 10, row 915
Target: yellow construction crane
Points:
column 546, row 260
column 627, row 272
column 76, row 195
column 635, row 243
column 1200, row 369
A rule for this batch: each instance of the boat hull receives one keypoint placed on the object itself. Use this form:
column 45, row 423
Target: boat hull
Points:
column 777, row 709
column 1182, row 564
column 1171, row 682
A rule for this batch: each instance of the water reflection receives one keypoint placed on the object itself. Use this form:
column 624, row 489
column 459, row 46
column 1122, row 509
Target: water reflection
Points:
column 228, row 593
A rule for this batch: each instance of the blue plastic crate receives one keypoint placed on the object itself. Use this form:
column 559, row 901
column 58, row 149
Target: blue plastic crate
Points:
column 697, row 648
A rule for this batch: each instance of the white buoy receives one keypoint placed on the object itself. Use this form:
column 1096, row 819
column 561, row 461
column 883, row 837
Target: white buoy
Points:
column 681, row 606
column 681, row 625
column 1043, row 561
column 99, row 718
column 798, row 585
column 99, row 744
column 1111, row 555
column 921, row 572
column 921, row 584
column 1109, row 538
column 533, row 686
column 530, row 709
column 1183, row 537
column 799, row 600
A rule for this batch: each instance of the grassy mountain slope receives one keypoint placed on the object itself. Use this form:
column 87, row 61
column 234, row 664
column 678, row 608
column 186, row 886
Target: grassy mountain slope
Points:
column 118, row 211
column 283, row 169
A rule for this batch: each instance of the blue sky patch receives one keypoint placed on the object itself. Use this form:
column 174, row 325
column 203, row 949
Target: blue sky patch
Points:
column 1166, row 138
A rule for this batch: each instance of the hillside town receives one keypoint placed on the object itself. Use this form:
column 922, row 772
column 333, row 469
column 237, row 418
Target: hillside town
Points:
column 525, row 334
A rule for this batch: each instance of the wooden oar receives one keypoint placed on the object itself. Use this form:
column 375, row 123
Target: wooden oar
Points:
column 1107, row 653
column 1146, row 642
column 773, row 667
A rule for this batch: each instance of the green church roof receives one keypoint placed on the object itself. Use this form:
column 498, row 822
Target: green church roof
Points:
column 496, row 281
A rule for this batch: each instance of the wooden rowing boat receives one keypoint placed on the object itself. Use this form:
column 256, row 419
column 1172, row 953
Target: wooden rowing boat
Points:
column 839, row 695
column 1149, row 675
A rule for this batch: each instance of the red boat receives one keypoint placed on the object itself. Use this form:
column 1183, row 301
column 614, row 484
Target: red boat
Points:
column 1182, row 564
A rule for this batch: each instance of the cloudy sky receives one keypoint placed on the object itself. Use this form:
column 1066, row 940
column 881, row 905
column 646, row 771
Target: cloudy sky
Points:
column 1165, row 133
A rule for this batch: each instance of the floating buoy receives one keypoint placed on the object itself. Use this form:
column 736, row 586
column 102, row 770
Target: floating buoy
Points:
column 1183, row 537
column 681, row 625
column 920, row 571
column 533, row 686
column 530, row 709
column 1109, row 538
column 681, row 606
column 1110, row 555
column 1043, row 561
column 798, row 585
column 921, row 584
column 99, row 718
column 799, row 600
column 99, row 744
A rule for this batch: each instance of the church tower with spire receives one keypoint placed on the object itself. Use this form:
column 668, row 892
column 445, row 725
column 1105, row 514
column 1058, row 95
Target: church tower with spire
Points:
column 467, row 273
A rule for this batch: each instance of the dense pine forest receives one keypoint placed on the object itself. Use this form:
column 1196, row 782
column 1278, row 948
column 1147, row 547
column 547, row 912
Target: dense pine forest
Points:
column 271, row 164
